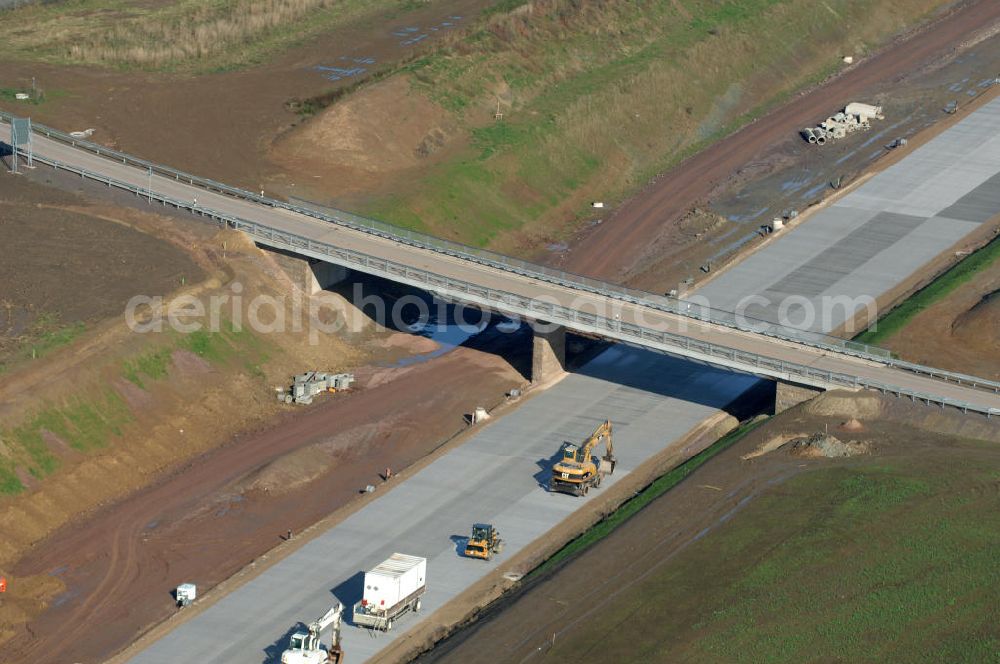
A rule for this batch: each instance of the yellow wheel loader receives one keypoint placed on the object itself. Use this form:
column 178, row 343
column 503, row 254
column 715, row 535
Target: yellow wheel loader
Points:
column 485, row 542
column 577, row 471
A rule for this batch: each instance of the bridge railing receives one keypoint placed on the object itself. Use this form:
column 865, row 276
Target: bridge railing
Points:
column 642, row 336
column 507, row 263
column 483, row 256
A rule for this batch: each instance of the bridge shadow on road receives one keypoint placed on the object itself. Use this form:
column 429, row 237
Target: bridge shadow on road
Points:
column 674, row 377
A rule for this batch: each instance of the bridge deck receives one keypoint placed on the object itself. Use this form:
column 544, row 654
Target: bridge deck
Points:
column 490, row 285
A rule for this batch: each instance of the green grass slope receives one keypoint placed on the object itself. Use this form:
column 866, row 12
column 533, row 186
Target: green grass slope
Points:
column 890, row 559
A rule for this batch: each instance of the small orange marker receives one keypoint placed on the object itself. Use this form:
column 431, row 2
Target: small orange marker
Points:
column 3, row 584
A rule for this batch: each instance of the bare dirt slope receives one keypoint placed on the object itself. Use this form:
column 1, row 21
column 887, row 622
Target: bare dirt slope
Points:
column 220, row 125
column 63, row 265
column 211, row 517
column 960, row 331
column 103, row 412
column 577, row 611
column 619, row 248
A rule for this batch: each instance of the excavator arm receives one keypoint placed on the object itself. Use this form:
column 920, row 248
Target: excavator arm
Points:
column 603, row 432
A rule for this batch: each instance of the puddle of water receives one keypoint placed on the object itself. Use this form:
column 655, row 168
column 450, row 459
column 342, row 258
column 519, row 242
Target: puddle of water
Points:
column 796, row 183
column 732, row 246
column 414, row 40
column 449, row 334
column 739, row 218
column 810, row 193
column 339, row 73
column 64, row 597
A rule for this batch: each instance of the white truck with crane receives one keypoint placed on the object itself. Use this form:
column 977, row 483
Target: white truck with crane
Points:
column 392, row 588
column 305, row 647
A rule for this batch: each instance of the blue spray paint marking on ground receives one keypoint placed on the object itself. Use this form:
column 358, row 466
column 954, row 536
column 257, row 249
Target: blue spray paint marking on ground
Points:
column 405, row 32
column 58, row 571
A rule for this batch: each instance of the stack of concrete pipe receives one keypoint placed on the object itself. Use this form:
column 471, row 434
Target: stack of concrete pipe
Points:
column 854, row 117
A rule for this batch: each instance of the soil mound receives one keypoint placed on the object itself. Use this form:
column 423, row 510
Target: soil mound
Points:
column 838, row 403
column 978, row 326
column 852, row 424
column 381, row 130
column 821, row 445
column 288, row 472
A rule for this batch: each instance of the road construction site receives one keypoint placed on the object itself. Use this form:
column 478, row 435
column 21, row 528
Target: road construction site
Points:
column 304, row 613
column 500, row 473
column 871, row 239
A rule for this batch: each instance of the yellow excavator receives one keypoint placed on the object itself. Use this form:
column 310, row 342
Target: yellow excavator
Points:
column 576, row 472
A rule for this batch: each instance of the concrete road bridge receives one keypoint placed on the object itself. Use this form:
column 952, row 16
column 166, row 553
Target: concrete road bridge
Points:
column 500, row 283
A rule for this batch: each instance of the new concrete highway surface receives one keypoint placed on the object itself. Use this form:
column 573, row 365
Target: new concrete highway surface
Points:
column 496, row 476
column 877, row 235
column 750, row 352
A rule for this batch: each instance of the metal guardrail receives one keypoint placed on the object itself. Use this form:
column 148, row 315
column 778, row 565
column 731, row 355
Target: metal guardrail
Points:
column 507, row 263
column 483, row 256
column 625, row 332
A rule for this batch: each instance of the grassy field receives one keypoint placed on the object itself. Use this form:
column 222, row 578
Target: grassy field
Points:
column 886, row 560
column 891, row 324
column 598, row 97
column 92, row 419
column 177, row 34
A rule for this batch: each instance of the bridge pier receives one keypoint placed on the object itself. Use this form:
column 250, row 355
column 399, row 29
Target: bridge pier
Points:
column 548, row 353
column 320, row 275
column 787, row 395
column 309, row 274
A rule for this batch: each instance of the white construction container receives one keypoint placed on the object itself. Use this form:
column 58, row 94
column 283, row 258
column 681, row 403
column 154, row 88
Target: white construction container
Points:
column 391, row 589
column 186, row 593
column 864, row 111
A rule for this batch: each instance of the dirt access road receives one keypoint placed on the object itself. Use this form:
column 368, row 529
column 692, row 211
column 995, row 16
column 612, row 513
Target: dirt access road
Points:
column 221, row 125
column 215, row 515
column 615, row 249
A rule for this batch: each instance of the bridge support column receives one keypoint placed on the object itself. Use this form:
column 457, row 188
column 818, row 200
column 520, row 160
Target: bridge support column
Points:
column 548, row 354
column 321, row 275
column 787, row 395
column 309, row 274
